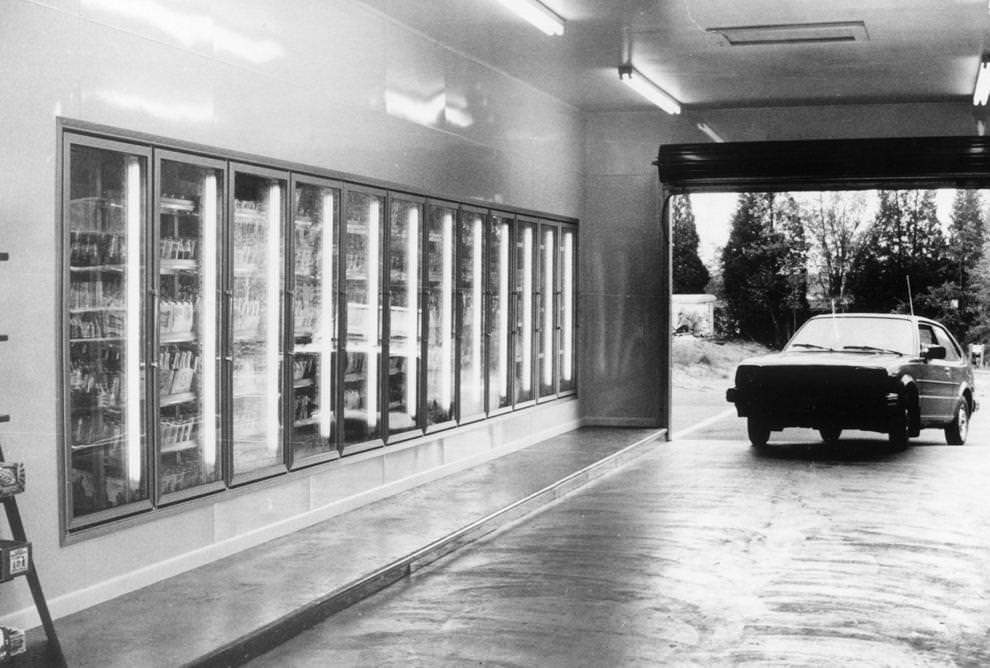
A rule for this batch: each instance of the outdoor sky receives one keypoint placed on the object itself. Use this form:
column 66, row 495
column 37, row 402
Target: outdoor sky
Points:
column 713, row 214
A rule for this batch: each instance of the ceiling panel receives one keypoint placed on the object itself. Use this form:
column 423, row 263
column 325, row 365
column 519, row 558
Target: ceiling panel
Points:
column 914, row 51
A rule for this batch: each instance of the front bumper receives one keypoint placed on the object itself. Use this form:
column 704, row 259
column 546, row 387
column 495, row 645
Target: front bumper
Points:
column 869, row 408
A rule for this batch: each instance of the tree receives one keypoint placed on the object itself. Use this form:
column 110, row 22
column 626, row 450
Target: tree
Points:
column 966, row 238
column 764, row 267
column 904, row 241
column 690, row 275
column 832, row 220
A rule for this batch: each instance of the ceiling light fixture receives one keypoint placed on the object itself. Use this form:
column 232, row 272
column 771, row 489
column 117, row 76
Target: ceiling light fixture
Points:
column 538, row 14
column 652, row 92
column 982, row 90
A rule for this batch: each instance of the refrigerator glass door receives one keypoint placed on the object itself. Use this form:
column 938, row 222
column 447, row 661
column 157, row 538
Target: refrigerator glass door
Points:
column 499, row 377
column 361, row 386
column 314, row 321
column 524, row 289
column 440, row 376
column 106, row 220
column 547, row 334
column 471, row 302
column 568, row 304
column 256, row 322
column 404, row 343
column 190, row 199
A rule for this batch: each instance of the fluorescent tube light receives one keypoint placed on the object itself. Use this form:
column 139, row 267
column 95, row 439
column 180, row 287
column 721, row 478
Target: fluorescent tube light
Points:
column 447, row 311
column 273, row 308
column 132, row 344
column 982, row 90
column 527, row 310
column 567, row 294
column 328, row 307
column 207, row 322
column 714, row 136
column 549, row 250
column 538, row 14
column 652, row 92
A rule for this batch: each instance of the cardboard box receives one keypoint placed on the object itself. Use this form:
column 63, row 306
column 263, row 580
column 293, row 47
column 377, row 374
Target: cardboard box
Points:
column 11, row 479
column 15, row 559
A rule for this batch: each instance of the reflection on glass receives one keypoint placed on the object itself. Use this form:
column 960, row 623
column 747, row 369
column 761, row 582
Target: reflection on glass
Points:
column 567, row 301
column 404, row 316
column 106, row 377
column 362, row 345
column 470, row 260
column 314, row 321
column 188, row 224
column 440, row 316
column 256, row 322
column 498, row 313
column 524, row 313
column 547, row 287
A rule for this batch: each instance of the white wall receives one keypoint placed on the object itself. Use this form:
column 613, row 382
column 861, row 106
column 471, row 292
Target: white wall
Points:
column 329, row 84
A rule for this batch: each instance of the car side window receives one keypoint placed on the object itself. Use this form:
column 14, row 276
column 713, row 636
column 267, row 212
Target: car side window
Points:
column 952, row 353
column 926, row 336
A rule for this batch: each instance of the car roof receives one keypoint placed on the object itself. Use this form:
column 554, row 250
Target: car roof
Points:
column 889, row 316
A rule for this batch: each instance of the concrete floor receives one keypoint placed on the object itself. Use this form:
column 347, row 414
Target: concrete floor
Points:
column 237, row 607
column 708, row 553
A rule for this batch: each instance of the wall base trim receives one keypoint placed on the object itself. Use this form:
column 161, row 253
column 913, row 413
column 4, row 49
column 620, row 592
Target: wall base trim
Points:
column 593, row 421
column 87, row 597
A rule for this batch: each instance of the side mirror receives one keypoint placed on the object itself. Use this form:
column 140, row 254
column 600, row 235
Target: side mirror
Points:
column 934, row 353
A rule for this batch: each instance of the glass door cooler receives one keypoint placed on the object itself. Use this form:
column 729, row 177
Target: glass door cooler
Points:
column 313, row 288
column 404, row 262
column 105, row 194
column 524, row 330
column 546, row 312
column 567, row 307
column 470, row 310
column 361, row 345
column 441, row 377
column 189, row 205
column 254, row 344
column 498, row 314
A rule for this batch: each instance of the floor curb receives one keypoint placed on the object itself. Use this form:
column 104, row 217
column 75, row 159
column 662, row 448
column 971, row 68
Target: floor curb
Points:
column 256, row 643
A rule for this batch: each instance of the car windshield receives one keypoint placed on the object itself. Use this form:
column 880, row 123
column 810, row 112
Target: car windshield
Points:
column 856, row 333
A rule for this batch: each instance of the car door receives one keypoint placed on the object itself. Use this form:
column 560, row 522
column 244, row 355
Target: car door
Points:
column 937, row 378
column 954, row 370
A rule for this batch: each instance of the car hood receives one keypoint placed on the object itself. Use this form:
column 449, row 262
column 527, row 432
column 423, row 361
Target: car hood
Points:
column 863, row 360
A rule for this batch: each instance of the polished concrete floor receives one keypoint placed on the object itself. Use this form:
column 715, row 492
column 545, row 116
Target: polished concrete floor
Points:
column 239, row 606
column 708, row 553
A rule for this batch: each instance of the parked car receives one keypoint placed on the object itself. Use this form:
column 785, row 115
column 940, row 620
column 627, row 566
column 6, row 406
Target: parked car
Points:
column 895, row 374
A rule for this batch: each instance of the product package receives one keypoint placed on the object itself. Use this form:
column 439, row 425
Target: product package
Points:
column 15, row 559
column 11, row 479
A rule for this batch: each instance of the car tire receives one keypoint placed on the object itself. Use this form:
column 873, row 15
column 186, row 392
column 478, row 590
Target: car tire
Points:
column 758, row 431
column 958, row 429
column 900, row 426
column 830, row 434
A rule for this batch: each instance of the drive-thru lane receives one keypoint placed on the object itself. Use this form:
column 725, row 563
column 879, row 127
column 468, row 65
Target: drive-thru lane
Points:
column 708, row 552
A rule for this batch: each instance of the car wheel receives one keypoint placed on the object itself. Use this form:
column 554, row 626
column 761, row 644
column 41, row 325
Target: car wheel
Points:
column 758, row 430
column 900, row 426
column 830, row 434
column 958, row 429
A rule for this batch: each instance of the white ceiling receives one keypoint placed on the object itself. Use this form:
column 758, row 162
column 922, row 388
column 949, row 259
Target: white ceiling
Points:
column 914, row 51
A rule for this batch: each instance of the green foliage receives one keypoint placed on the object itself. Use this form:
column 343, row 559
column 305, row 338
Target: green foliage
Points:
column 832, row 220
column 764, row 267
column 690, row 276
column 944, row 303
column 904, row 241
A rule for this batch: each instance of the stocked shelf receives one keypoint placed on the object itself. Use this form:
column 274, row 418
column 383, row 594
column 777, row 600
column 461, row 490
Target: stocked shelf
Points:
column 174, row 204
column 175, row 399
column 181, row 446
